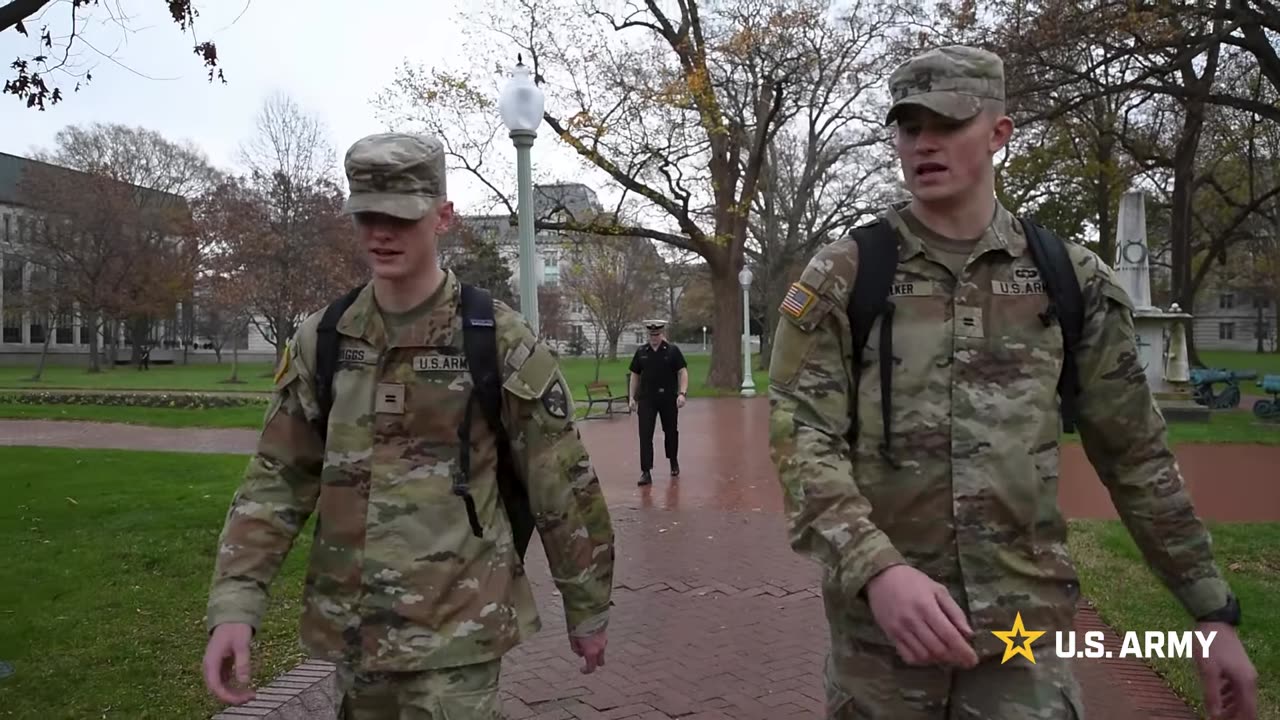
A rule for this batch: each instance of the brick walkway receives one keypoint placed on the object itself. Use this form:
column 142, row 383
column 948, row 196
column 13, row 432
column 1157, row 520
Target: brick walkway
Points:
column 715, row 616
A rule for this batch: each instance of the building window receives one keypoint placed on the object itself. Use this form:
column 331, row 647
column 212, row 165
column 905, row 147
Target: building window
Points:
column 1226, row 331
column 1226, row 301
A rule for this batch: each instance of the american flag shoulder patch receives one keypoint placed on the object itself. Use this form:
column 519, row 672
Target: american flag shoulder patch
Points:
column 797, row 301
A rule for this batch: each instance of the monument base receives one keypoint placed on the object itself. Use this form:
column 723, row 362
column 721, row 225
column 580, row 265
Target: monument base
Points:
column 1182, row 410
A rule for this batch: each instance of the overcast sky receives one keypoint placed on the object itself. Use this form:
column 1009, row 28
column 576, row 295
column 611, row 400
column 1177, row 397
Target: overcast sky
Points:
column 331, row 60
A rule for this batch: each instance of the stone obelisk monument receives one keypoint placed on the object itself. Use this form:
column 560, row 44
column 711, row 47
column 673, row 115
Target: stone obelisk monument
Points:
column 1158, row 342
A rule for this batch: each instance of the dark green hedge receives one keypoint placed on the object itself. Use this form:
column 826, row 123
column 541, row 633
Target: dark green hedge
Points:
column 132, row 399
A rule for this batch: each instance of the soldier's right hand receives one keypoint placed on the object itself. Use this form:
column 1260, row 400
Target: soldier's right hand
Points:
column 228, row 653
column 921, row 618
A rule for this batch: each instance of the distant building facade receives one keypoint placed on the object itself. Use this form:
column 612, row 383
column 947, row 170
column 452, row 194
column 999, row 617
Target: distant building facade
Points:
column 177, row 338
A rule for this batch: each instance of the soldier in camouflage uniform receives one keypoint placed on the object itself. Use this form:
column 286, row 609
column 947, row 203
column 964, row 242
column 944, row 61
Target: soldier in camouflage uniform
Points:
column 925, row 561
column 414, row 609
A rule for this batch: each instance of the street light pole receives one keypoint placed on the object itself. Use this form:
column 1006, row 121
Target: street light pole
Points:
column 521, row 106
column 524, row 177
column 748, row 382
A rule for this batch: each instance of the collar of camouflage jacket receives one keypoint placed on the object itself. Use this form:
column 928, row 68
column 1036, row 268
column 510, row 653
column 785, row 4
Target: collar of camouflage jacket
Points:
column 434, row 328
column 1003, row 234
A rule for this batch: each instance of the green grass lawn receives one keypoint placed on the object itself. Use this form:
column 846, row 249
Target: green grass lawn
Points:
column 257, row 377
column 1225, row 427
column 1129, row 597
column 1264, row 364
column 107, row 563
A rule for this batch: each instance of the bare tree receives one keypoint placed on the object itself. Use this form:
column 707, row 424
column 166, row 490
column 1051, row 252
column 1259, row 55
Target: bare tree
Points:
column 54, row 50
column 647, row 97
column 828, row 165
column 612, row 278
column 278, row 232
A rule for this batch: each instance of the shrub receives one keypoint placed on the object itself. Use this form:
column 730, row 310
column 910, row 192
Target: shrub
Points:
column 133, row 399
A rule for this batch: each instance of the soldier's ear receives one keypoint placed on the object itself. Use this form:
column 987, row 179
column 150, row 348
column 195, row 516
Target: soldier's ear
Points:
column 1001, row 132
column 445, row 216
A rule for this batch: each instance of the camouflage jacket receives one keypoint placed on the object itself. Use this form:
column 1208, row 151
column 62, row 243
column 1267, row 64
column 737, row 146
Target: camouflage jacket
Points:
column 976, row 429
column 397, row 580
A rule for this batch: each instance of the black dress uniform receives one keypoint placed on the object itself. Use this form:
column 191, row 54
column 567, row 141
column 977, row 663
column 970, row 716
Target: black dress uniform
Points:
column 659, row 371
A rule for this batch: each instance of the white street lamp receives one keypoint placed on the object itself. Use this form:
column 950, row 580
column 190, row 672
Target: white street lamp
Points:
column 521, row 106
column 748, row 383
column 704, row 338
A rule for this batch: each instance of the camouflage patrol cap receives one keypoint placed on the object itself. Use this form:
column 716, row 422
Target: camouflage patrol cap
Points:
column 951, row 81
column 395, row 173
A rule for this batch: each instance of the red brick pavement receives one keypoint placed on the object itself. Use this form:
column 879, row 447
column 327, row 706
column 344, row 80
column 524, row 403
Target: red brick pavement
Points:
column 716, row 618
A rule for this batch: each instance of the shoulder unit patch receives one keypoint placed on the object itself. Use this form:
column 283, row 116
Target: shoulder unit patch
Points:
column 798, row 300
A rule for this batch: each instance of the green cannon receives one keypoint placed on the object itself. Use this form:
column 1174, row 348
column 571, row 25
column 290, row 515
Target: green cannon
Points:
column 1204, row 380
column 1264, row 409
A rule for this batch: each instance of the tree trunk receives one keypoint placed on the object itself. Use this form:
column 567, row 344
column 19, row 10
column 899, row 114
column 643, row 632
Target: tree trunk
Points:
column 139, row 329
column 1181, row 220
column 1261, row 328
column 726, row 343
column 44, row 350
column 235, row 363
column 95, row 361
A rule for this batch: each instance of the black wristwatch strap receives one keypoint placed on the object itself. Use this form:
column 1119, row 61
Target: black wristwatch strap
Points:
column 1229, row 613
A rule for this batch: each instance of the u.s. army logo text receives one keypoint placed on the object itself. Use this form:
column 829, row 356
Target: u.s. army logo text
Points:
column 438, row 363
column 1003, row 287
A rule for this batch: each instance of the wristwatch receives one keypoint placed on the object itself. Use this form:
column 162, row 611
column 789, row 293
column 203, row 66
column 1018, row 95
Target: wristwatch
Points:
column 1229, row 613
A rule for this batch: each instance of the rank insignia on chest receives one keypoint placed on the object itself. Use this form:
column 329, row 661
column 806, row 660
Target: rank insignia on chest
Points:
column 440, row 363
column 797, row 301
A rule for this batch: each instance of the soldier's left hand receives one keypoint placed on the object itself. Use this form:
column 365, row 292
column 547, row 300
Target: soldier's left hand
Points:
column 679, row 401
column 1229, row 680
column 590, row 649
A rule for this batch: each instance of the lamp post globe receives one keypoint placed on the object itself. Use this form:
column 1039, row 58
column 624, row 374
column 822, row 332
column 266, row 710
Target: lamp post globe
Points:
column 522, row 101
column 521, row 106
column 748, row 383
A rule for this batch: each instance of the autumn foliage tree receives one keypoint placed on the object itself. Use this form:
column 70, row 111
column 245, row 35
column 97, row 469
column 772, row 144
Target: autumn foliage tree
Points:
column 118, row 251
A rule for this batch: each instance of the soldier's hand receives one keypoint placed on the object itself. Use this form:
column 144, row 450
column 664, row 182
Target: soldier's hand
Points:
column 228, row 652
column 591, row 649
column 1229, row 680
column 920, row 617
column 633, row 405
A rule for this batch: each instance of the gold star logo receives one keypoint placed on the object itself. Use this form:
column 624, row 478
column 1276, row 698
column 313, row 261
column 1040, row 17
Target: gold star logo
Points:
column 1023, row 648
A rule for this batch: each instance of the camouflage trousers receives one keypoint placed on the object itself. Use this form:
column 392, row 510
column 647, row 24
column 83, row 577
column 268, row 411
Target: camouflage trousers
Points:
column 871, row 682
column 469, row 692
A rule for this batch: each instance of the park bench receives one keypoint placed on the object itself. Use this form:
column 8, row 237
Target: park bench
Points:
column 598, row 393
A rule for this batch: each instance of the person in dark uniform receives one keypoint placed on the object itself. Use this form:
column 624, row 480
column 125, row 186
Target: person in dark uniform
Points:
column 658, row 388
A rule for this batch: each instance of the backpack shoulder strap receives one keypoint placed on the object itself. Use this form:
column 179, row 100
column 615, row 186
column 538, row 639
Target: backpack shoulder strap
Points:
column 479, row 337
column 877, row 262
column 1066, row 303
column 480, row 343
column 327, row 356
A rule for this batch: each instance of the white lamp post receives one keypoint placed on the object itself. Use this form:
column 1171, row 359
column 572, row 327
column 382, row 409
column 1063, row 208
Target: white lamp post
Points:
column 521, row 106
column 748, row 383
column 704, row 338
